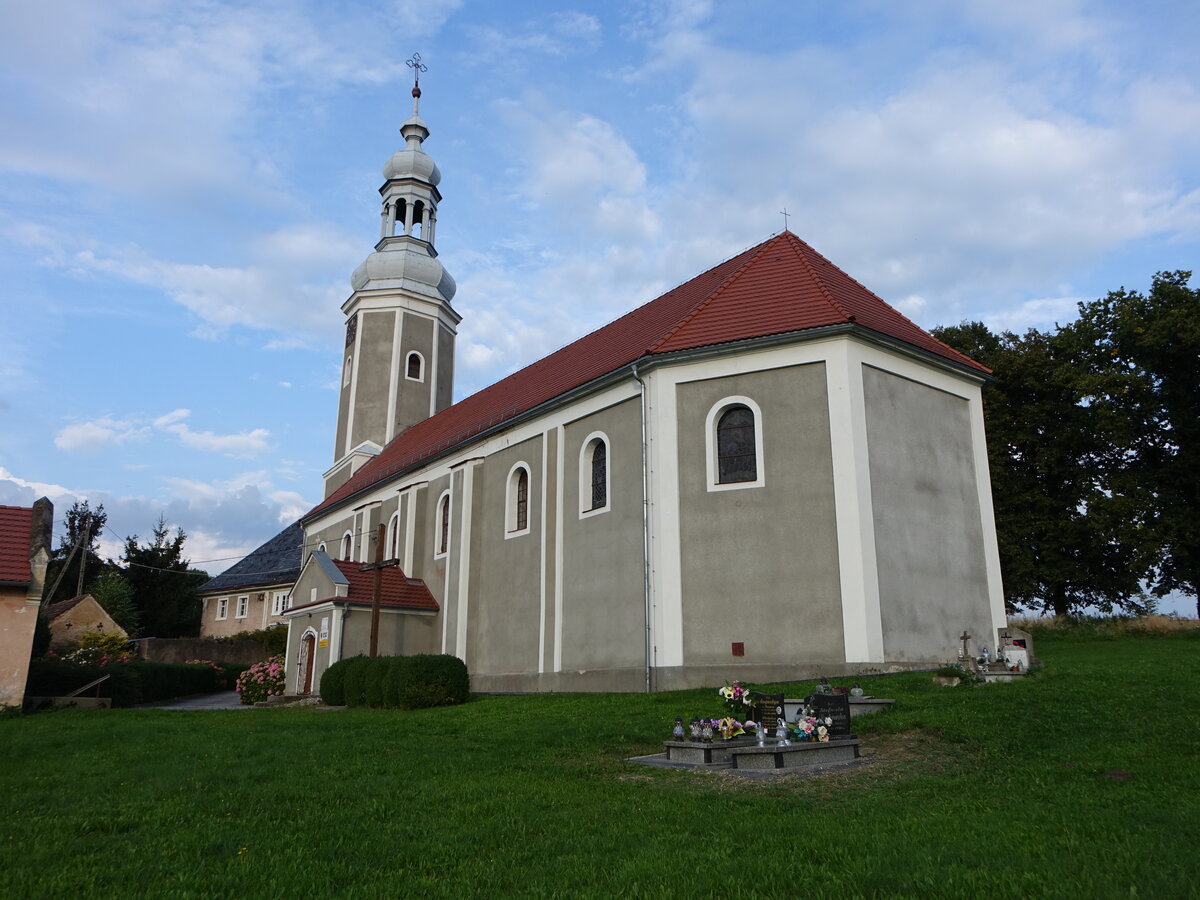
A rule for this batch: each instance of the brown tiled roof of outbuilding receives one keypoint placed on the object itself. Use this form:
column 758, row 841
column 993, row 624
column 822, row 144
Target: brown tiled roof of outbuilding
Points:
column 16, row 531
column 778, row 287
column 397, row 590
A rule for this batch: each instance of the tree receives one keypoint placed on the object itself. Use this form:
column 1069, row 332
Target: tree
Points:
column 1141, row 355
column 164, row 586
column 1064, row 535
column 77, row 550
column 116, row 595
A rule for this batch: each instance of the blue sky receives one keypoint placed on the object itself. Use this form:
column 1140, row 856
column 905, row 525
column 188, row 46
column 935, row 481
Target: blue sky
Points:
column 185, row 188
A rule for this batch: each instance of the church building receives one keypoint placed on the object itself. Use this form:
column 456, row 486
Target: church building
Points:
column 766, row 473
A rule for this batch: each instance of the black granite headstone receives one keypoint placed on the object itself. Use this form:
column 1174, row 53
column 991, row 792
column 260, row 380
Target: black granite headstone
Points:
column 765, row 709
column 835, row 707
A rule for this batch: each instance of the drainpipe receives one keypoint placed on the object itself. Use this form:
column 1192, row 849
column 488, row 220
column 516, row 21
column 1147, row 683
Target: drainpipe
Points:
column 646, row 529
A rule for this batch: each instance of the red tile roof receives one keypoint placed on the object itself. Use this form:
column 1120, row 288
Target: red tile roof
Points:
column 396, row 591
column 16, row 532
column 780, row 286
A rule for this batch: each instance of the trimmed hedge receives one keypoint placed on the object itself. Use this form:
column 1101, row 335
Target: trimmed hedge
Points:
column 396, row 682
column 129, row 683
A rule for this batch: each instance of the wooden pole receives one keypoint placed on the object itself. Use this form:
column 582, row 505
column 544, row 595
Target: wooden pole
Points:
column 376, row 588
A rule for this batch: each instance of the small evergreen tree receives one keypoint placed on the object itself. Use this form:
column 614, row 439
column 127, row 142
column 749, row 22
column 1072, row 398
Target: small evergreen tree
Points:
column 164, row 585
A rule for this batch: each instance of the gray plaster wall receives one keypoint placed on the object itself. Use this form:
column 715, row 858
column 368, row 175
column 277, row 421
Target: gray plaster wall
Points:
column 760, row 565
column 343, row 415
column 603, row 584
column 551, row 531
column 412, row 397
column 928, row 530
column 401, row 633
column 505, row 591
column 373, row 377
column 445, row 373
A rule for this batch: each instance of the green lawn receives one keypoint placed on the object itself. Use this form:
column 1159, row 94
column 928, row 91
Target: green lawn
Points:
column 1082, row 781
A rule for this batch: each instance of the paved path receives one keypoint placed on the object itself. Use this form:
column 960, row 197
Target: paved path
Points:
column 222, row 700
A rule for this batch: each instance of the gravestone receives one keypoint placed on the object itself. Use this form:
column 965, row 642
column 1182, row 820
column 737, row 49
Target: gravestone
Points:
column 835, row 707
column 766, row 709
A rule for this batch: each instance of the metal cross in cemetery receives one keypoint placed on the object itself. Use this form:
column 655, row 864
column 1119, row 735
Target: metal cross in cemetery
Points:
column 965, row 652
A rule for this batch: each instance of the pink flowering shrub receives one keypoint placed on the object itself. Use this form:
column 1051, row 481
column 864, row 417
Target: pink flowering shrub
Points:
column 261, row 681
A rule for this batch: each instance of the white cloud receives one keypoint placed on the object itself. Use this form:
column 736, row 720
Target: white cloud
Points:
column 240, row 444
column 98, row 434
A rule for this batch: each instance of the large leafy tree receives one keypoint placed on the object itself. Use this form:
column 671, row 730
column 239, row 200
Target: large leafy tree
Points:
column 77, row 550
column 1140, row 355
column 116, row 595
column 164, row 585
column 1064, row 535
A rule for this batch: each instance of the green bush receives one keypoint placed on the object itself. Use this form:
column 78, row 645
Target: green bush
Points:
column 355, row 682
column 393, row 678
column 333, row 683
column 53, row 677
column 162, row 681
column 433, row 680
column 375, row 673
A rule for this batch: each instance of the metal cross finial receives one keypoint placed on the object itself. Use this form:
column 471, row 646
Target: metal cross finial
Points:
column 783, row 212
column 418, row 67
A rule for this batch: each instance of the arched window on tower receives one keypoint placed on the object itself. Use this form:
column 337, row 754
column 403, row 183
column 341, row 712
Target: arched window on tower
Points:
column 737, row 458
column 401, row 215
column 418, row 229
column 347, row 545
column 414, row 367
column 393, row 544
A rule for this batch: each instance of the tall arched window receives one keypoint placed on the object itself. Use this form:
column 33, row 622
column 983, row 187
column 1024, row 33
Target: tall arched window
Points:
column 443, row 520
column 393, row 544
column 736, row 456
column 594, row 463
column 414, row 367
column 517, row 502
column 599, row 475
column 347, row 545
column 734, row 444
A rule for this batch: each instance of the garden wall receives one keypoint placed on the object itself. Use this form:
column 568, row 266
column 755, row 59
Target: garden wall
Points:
column 177, row 650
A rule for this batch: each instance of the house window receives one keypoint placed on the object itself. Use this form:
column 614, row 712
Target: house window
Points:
column 734, row 444
column 593, row 475
column 443, row 525
column 517, row 511
column 414, row 367
column 242, row 607
column 279, row 603
column 347, row 545
column 223, row 608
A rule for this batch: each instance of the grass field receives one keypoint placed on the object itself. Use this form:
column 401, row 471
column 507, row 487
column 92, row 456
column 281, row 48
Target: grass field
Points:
column 1082, row 781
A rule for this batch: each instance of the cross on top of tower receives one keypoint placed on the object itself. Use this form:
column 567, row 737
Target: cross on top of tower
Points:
column 418, row 67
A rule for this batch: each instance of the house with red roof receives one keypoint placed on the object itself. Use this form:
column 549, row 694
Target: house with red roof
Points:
column 25, row 535
column 765, row 473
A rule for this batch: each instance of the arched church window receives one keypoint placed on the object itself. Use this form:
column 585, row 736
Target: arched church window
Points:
column 401, row 215
column 349, row 369
column 394, row 536
column 414, row 367
column 443, row 521
column 593, row 474
column 517, row 513
column 736, row 456
column 347, row 545
column 418, row 229
column 734, row 444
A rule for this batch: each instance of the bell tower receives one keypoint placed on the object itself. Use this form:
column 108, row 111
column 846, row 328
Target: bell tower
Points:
column 398, row 362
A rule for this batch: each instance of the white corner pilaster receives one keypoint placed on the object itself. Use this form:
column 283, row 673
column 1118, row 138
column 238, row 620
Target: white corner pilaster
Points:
column 859, row 575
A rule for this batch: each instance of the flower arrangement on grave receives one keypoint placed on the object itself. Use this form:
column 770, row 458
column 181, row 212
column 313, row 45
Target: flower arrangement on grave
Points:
column 736, row 697
column 730, row 727
column 261, row 681
column 808, row 727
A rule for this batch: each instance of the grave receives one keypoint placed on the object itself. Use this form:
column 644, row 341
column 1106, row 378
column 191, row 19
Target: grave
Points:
column 747, row 755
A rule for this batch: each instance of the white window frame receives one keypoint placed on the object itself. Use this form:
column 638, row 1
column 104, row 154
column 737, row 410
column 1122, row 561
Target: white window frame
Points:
column 349, row 370
column 585, row 475
column 419, row 356
column 279, row 603
column 243, row 607
column 222, row 609
column 710, row 445
column 510, row 501
column 342, row 547
column 321, row 547
column 443, row 501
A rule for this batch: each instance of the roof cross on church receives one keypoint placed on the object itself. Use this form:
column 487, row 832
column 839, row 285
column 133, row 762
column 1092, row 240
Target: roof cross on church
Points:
column 418, row 67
